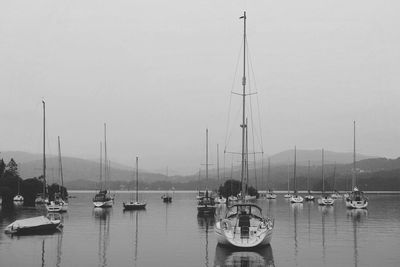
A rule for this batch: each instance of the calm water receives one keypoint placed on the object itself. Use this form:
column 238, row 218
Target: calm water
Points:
column 173, row 235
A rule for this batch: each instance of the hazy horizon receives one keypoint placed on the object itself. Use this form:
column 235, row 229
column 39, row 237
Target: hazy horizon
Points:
column 159, row 73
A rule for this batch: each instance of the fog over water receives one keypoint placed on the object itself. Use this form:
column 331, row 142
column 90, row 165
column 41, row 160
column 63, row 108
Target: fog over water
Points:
column 160, row 72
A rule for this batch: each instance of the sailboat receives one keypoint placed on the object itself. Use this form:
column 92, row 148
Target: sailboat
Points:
column 42, row 198
column 357, row 198
column 295, row 198
column 335, row 194
column 244, row 225
column 325, row 199
column 18, row 197
column 167, row 198
column 309, row 196
column 206, row 204
column 103, row 198
column 60, row 202
column 270, row 194
column 219, row 199
column 288, row 195
column 137, row 205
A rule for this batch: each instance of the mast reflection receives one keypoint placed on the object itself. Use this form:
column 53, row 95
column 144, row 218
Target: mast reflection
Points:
column 102, row 215
column 205, row 223
column 358, row 216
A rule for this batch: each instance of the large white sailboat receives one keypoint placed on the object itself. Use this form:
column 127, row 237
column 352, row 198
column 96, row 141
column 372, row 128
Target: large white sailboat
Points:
column 103, row 198
column 357, row 198
column 325, row 199
column 295, row 198
column 244, row 225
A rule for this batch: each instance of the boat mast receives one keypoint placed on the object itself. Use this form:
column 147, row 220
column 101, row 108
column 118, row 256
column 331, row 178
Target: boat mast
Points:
column 288, row 177
column 323, row 179
column 294, row 172
column 105, row 156
column 218, row 163
column 243, row 125
column 247, row 160
column 308, row 177
column 60, row 166
column 101, row 166
column 268, row 172
column 44, row 149
column 137, row 179
column 334, row 177
column 353, row 182
column 206, row 159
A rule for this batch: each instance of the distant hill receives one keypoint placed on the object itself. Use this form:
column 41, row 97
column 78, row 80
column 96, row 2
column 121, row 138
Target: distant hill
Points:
column 303, row 156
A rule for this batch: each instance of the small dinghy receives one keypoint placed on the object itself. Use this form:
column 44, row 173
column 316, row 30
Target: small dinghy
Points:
column 166, row 198
column 34, row 225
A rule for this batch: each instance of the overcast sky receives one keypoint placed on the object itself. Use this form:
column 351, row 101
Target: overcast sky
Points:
column 159, row 72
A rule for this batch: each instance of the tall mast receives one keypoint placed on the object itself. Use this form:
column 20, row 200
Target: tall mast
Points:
column 105, row 156
column 294, row 172
column 44, row 148
column 308, row 177
column 218, row 163
column 206, row 158
column 323, row 178
column 269, row 171
column 288, row 177
column 334, row 177
column 60, row 164
column 101, row 166
column 243, row 171
column 247, row 159
column 353, row 181
column 137, row 179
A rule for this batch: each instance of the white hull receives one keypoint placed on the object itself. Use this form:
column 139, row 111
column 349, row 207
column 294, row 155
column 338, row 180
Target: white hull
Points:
column 352, row 204
column 270, row 196
column 287, row 196
column 326, row 201
column 250, row 197
column 309, row 198
column 220, row 200
column 336, row 196
column 103, row 204
column 232, row 198
column 296, row 199
column 18, row 198
column 231, row 237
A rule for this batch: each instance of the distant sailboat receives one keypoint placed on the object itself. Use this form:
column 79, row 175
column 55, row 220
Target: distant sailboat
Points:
column 60, row 202
column 295, row 198
column 288, row 195
column 18, row 197
column 103, row 198
column 325, row 199
column 309, row 196
column 135, row 205
column 270, row 194
column 43, row 198
column 167, row 198
column 335, row 194
column 357, row 198
column 206, row 204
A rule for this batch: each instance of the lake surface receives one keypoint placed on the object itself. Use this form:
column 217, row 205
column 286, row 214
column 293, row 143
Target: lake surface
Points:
column 173, row 235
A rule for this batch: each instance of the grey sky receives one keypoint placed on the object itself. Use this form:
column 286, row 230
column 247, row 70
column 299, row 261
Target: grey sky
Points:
column 160, row 72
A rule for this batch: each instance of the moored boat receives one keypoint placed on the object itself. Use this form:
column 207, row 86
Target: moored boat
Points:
column 34, row 225
column 295, row 198
column 135, row 205
column 325, row 199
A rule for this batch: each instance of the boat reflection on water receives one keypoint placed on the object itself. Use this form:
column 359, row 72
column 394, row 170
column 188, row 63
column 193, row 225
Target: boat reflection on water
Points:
column 206, row 222
column 230, row 256
column 358, row 216
column 102, row 215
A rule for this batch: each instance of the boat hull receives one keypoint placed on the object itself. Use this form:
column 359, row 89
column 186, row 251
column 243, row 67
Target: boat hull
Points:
column 44, row 226
column 287, row 196
column 260, row 238
column 134, row 206
column 296, row 199
column 206, row 210
column 353, row 204
column 270, row 196
column 18, row 198
column 326, row 201
column 103, row 204
column 309, row 198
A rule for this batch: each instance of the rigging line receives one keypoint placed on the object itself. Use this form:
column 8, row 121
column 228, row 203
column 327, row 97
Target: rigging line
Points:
column 256, row 90
column 230, row 131
column 230, row 98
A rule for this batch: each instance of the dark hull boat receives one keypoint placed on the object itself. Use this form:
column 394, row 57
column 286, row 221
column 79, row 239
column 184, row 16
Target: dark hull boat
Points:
column 134, row 205
column 166, row 198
